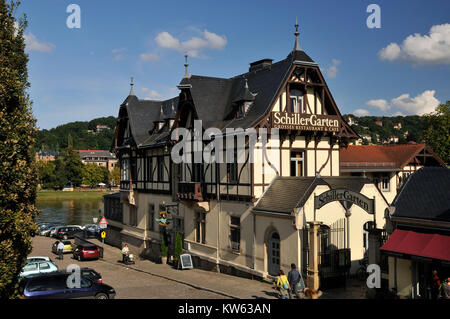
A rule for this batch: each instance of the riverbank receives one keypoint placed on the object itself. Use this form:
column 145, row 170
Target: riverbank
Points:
column 60, row 195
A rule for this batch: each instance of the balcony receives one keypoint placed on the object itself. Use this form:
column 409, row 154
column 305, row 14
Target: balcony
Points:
column 190, row 191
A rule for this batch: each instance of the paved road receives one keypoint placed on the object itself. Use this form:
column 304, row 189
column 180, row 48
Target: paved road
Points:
column 128, row 283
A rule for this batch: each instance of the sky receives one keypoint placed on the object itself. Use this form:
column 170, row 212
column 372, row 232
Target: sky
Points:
column 400, row 67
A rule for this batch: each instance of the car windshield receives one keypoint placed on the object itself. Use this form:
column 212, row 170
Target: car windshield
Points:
column 90, row 247
column 67, row 242
column 30, row 267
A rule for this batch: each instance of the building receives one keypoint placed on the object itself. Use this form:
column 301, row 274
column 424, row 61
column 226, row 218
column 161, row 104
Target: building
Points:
column 351, row 121
column 100, row 128
column 98, row 157
column 46, row 156
column 419, row 229
column 263, row 204
column 387, row 165
column 398, row 126
column 379, row 123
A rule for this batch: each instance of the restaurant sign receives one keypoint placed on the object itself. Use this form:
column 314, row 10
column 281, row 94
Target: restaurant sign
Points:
column 305, row 122
column 345, row 195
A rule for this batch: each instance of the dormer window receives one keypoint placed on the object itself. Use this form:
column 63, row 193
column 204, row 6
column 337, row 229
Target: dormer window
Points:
column 296, row 101
column 243, row 109
column 171, row 123
column 160, row 125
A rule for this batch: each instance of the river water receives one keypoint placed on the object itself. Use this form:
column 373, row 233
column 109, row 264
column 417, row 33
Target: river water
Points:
column 69, row 211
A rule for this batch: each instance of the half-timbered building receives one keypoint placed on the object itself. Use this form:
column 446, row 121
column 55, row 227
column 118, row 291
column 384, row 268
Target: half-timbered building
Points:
column 253, row 214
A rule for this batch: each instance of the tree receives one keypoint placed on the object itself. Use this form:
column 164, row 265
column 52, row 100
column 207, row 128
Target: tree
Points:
column 437, row 131
column 18, row 172
column 178, row 247
column 115, row 175
column 47, row 177
column 92, row 175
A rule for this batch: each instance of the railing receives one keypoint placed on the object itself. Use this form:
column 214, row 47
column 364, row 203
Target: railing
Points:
column 190, row 191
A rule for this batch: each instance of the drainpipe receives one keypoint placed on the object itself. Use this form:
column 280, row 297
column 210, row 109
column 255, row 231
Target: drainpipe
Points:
column 254, row 240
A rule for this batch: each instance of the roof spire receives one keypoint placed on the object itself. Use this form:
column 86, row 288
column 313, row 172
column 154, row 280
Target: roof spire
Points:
column 297, row 43
column 131, row 86
column 186, row 73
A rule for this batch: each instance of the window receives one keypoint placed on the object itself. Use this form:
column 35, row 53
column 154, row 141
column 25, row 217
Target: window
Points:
column 296, row 101
column 200, row 231
column 385, row 182
column 160, row 168
column 151, row 217
column 125, row 169
column 197, row 172
column 235, row 233
column 149, row 168
column 297, row 163
column 232, row 169
column 133, row 215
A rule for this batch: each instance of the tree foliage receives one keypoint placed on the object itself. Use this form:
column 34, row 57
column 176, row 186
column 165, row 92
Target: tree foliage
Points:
column 94, row 174
column 437, row 131
column 18, row 172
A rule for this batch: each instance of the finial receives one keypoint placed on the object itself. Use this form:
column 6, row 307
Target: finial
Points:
column 131, row 86
column 246, row 83
column 186, row 73
column 297, row 43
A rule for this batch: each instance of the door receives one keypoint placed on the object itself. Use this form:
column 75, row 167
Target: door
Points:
column 274, row 253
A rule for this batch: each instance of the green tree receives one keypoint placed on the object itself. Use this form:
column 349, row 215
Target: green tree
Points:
column 437, row 131
column 47, row 177
column 18, row 172
column 92, row 175
column 178, row 247
column 164, row 247
column 115, row 175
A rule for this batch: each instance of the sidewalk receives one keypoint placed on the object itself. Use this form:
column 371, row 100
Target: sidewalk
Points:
column 225, row 285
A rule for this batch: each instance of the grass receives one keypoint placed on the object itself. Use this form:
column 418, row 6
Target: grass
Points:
column 58, row 195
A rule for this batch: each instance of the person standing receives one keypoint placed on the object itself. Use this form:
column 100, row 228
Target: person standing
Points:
column 435, row 283
column 282, row 284
column 295, row 281
column 445, row 289
column 60, row 249
column 125, row 252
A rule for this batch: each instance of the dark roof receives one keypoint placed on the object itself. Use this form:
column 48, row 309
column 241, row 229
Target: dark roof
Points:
column 287, row 193
column 425, row 195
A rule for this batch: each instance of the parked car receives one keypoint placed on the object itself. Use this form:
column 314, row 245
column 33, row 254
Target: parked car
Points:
column 54, row 286
column 86, row 251
column 51, row 232
column 44, row 228
column 91, row 274
column 38, row 267
column 68, row 246
column 92, row 230
column 37, row 258
column 66, row 232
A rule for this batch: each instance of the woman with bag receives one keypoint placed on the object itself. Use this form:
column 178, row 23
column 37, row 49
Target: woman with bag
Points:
column 282, row 285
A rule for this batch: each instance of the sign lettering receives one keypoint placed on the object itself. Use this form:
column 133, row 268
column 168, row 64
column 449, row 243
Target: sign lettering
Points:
column 345, row 195
column 305, row 122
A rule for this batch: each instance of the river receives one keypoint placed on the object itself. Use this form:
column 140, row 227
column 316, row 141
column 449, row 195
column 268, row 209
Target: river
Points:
column 69, row 211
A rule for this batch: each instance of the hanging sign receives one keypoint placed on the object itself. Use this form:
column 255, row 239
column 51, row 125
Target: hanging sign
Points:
column 345, row 195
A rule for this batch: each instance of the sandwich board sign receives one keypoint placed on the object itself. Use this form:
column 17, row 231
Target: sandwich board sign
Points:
column 186, row 261
column 103, row 223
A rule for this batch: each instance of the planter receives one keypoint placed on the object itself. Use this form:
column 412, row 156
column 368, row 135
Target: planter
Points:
column 163, row 259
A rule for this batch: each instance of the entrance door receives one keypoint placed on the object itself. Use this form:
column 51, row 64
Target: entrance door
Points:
column 274, row 253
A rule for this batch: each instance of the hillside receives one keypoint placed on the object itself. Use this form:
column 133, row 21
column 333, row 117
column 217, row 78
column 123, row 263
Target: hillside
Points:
column 83, row 135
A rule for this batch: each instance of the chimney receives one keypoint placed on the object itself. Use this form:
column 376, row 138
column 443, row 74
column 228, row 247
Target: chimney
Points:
column 259, row 65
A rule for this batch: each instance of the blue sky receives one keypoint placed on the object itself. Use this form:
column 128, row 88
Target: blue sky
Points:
column 80, row 74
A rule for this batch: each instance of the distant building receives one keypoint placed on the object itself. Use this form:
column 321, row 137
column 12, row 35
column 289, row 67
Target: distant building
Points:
column 393, row 139
column 379, row 123
column 98, row 157
column 46, row 156
column 100, row 128
column 398, row 126
column 351, row 121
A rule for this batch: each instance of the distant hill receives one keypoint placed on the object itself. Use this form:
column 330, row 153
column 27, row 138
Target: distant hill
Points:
column 405, row 128
column 86, row 135
column 82, row 135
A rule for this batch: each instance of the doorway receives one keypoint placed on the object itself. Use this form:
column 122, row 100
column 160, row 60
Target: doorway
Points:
column 273, row 246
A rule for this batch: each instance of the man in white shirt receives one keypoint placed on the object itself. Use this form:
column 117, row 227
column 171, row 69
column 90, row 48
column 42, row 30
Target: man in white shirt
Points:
column 60, row 249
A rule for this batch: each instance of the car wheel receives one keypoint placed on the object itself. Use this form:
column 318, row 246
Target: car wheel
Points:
column 101, row 296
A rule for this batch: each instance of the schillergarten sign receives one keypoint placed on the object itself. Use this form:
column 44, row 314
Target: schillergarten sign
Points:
column 305, row 122
column 345, row 195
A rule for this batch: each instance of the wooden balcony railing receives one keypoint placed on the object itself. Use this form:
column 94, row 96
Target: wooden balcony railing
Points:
column 190, row 191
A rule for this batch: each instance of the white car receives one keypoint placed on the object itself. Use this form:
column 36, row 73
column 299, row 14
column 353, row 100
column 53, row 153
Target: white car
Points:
column 37, row 258
column 38, row 267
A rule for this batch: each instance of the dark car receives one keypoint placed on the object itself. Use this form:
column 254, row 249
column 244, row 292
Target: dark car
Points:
column 86, row 251
column 92, row 231
column 91, row 274
column 66, row 232
column 55, row 286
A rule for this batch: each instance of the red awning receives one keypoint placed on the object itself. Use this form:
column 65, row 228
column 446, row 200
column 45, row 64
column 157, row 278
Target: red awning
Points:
column 419, row 244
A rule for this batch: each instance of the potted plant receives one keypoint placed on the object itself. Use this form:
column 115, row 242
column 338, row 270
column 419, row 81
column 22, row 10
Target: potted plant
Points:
column 164, row 250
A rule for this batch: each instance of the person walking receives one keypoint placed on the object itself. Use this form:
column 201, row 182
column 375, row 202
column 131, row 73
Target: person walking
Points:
column 60, row 249
column 295, row 281
column 435, row 284
column 282, row 285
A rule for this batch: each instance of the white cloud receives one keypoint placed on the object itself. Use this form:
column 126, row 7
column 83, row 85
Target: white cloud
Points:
column 119, row 54
column 151, row 94
column 115, row 51
column 149, row 57
column 33, row 44
column 433, row 48
column 333, row 70
column 361, row 112
column 423, row 103
column 380, row 104
column 194, row 45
